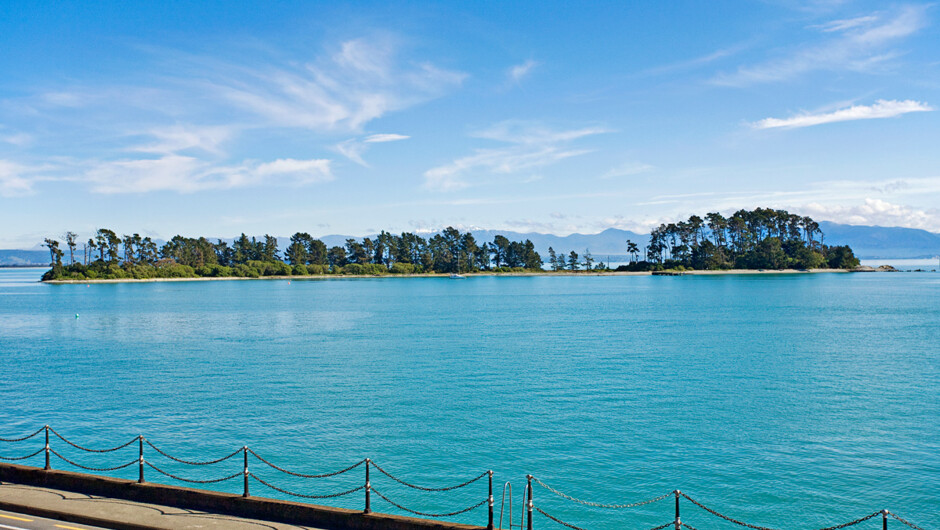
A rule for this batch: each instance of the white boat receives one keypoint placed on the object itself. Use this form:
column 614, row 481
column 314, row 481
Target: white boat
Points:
column 456, row 277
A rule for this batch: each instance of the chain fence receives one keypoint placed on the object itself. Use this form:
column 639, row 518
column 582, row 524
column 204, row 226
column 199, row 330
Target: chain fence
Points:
column 368, row 488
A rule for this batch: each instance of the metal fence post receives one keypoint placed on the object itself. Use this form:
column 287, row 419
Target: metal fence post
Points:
column 489, row 525
column 140, row 462
column 678, row 521
column 47, row 448
column 368, row 508
column 884, row 519
column 529, row 480
column 245, row 450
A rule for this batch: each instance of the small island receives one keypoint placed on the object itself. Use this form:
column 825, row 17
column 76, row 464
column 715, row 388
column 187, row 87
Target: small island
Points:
column 763, row 238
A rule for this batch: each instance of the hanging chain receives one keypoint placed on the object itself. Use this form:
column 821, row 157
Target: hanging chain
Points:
column 451, row 514
column 597, row 504
column 402, row 482
column 301, row 475
column 192, row 462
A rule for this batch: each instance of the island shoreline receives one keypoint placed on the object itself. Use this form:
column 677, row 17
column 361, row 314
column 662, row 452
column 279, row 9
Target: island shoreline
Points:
column 729, row 272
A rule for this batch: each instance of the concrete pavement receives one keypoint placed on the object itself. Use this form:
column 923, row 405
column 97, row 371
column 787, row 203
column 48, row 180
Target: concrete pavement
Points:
column 33, row 508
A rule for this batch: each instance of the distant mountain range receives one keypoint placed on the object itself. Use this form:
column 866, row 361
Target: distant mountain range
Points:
column 873, row 242
column 868, row 242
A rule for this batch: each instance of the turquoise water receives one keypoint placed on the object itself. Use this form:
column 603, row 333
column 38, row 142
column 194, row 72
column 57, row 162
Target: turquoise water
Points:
column 794, row 401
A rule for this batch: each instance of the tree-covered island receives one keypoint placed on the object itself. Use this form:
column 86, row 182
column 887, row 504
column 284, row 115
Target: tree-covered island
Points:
column 758, row 239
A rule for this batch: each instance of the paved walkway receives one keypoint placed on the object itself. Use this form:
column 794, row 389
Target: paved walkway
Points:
column 73, row 509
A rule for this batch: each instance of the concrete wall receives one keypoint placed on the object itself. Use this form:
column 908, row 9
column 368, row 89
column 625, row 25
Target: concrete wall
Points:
column 222, row 503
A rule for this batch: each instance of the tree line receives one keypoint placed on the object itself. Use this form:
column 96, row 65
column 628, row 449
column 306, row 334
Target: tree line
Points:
column 762, row 238
column 108, row 256
column 759, row 239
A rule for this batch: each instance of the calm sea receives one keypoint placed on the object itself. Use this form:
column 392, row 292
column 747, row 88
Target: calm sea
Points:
column 794, row 401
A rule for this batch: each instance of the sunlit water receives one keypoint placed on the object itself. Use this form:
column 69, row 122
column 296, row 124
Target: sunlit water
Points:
column 795, row 401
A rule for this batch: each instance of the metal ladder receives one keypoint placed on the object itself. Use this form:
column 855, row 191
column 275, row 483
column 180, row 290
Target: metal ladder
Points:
column 508, row 487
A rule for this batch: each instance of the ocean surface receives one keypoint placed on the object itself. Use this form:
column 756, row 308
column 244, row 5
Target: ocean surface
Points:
column 790, row 401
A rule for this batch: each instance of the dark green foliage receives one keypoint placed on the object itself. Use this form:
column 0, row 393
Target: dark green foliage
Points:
column 842, row 257
column 760, row 239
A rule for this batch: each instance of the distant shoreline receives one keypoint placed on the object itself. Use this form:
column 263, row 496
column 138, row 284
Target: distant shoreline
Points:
column 467, row 275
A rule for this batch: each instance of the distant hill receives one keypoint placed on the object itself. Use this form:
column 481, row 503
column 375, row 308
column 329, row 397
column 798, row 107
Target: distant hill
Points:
column 610, row 241
column 22, row 258
column 874, row 242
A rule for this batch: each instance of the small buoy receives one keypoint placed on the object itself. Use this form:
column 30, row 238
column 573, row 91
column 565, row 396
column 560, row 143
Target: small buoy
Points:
column 76, row 315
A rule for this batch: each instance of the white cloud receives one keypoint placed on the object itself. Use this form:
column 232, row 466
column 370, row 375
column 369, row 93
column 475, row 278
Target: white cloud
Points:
column 177, row 138
column 518, row 72
column 881, row 109
column 382, row 138
column 300, row 171
column 360, row 83
column 17, row 139
column 858, row 44
column 846, row 24
column 876, row 212
column 626, row 170
column 521, row 132
column 354, row 148
column 187, row 174
column 13, row 179
column 450, row 177
column 531, row 147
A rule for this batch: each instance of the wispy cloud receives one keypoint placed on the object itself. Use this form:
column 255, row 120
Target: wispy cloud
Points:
column 857, row 44
column 360, row 83
column 881, row 109
column 176, row 138
column 518, row 72
column 382, row 138
column 695, row 62
column 174, row 131
column 530, row 147
column 354, row 148
column 17, row 139
column 627, row 169
column 13, row 179
column 187, row 174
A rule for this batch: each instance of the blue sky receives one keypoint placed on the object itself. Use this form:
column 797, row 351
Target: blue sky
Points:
column 216, row 118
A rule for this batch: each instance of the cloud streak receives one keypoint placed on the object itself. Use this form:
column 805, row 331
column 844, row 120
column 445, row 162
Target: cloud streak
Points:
column 881, row 109
column 354, row 148
column 187, row 174
column 362, row 82
column 518, row 72
column 860, row 44
column 530, row 147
